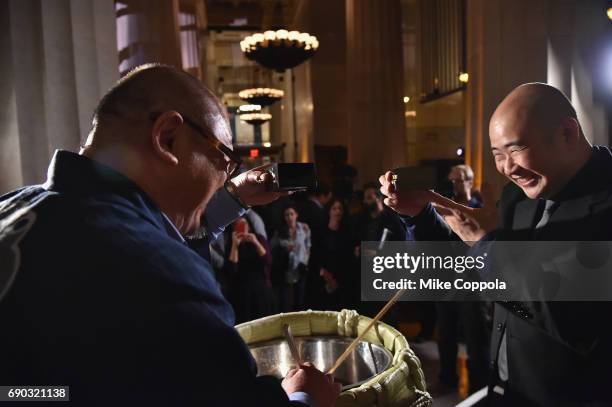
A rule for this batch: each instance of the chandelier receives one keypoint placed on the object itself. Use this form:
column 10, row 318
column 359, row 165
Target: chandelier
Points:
column 279, row 50
column 255, row 118
column 261, row 96
column 242, row 109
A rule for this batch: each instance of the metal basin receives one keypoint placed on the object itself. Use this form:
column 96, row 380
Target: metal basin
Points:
column 367, row 360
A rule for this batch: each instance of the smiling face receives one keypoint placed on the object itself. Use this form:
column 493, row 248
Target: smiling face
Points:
column 536, row 140
column 524, row 155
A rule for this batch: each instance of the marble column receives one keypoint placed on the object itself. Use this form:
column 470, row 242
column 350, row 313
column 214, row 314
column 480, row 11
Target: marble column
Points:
column 298, row 128
column 510, row 43
column 591, row 69
column 10, row 150
column 374, row 86
column 560, row 45
column 506, row 46
column 58, row 58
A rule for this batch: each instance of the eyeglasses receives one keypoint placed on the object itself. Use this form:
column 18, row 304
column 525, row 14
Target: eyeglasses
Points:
column 232, row 159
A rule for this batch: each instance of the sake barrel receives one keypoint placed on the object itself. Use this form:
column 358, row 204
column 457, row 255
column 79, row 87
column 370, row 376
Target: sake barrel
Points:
column 382, row 371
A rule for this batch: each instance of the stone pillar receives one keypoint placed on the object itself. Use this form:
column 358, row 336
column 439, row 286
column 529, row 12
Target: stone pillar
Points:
column 298, row 95
column 303, row 105
column 157, row 33
column 93, row 22
column 506, row 46
column 58, row 58
column 590, row 53
column 328, row 71
column 166, row 31
column 11, row 175
column 374, row 86
column 510, row 43
column 560, row 45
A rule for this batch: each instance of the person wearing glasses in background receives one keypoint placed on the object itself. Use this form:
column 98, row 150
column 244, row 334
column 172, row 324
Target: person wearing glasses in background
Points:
column 100, row 290
column 470, row 316
column 462, row 179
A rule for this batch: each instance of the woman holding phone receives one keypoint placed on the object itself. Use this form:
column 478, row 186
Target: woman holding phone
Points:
column 249, row 262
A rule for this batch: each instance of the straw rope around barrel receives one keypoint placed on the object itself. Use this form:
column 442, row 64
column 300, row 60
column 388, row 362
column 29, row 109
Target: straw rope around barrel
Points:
column 356, row 341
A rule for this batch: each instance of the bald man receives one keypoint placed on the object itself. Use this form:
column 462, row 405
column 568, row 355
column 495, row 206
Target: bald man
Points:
column 544, row 354
column 98, row 288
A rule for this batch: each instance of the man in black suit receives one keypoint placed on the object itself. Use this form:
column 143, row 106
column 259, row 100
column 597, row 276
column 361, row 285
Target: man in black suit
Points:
column 542, row 353
column 311, row 211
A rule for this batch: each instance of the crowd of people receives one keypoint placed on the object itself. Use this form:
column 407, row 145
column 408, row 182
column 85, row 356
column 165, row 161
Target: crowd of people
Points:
column 301, row 251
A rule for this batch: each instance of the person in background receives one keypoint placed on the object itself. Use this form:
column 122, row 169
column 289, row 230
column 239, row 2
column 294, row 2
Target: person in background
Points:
column 374, row 223
column 462, row 179
column 249, row 264
column 470, row 316
column 334, row 276
column 311, row 207
column 370, row 224
column 291, row 251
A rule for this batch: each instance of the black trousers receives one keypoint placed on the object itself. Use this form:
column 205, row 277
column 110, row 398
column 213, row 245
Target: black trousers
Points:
column 471, row 316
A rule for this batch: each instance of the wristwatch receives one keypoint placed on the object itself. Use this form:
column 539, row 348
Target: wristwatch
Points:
column 231, row 189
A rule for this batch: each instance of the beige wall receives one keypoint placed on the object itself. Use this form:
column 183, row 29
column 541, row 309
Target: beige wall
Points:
column 437, row 130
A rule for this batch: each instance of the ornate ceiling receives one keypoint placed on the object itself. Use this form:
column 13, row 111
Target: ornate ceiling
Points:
column 251, row 14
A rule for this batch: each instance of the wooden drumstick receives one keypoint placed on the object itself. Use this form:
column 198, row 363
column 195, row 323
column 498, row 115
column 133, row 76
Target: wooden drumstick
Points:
column 353, row 344
column 292, row 346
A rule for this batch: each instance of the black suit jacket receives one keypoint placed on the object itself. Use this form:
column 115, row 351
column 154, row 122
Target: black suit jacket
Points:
column 559, row 353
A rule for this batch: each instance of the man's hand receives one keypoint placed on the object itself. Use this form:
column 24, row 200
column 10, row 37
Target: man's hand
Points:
column 470, row 224
column 409, row 202
column 317, row 384
column 251, row 186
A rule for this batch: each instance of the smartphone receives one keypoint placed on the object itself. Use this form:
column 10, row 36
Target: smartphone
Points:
column 407, row 178
column 423, row 177
column 240, row 226
column 293, row 177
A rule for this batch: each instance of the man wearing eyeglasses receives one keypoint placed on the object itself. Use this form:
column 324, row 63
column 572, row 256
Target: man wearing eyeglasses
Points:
column 98, row 289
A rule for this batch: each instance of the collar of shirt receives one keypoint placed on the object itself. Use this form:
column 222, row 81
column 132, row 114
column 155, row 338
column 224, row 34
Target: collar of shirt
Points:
column 78, row 175
column 171, row 228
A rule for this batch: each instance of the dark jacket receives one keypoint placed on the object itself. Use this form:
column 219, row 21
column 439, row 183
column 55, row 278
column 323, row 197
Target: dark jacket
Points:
column 107, row 300
column 559, row 353
column 366, row 228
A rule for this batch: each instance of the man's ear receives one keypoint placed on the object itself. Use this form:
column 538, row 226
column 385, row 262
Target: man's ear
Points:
column 571, row 131
column 163, row 134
